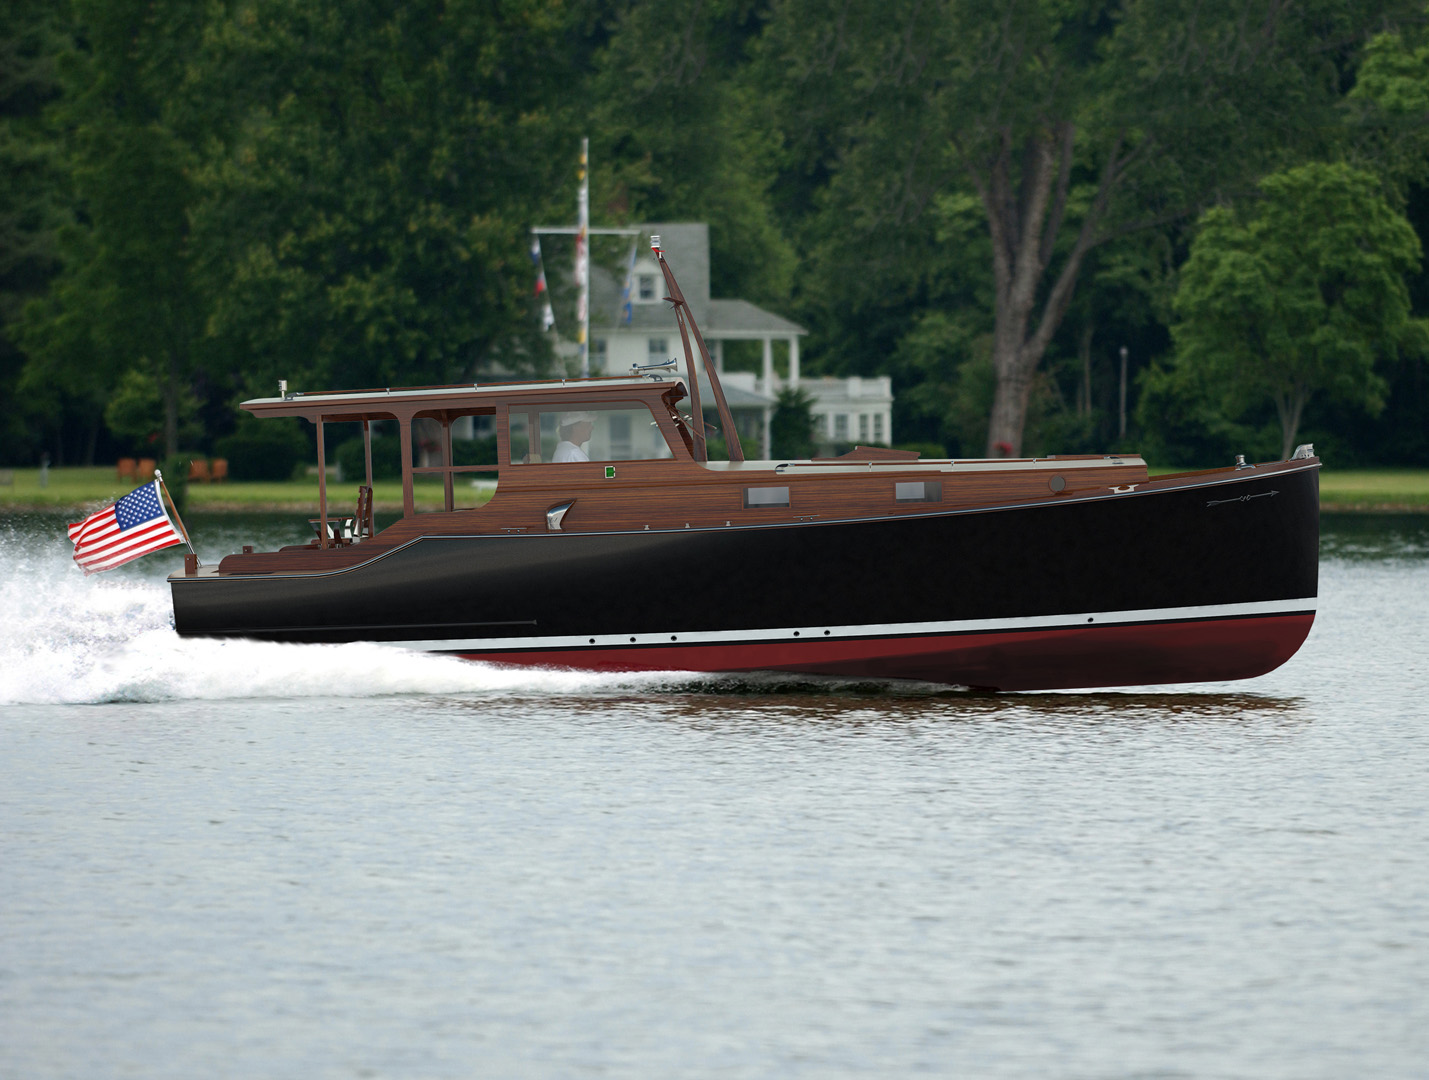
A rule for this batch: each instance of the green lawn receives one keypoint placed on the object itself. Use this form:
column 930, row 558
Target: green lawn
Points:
column 1362, row 489
column 82, row 488
column 86, row 488
column 1367, row 489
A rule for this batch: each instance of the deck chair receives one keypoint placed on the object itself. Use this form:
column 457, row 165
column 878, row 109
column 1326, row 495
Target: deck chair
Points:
column 362, row 520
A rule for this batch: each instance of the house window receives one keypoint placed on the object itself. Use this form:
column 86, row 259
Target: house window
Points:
column 598, row 354
column 821, row 424
column 659, row 348
column 841, row 426
column 878, row 427
column 621, row 448
column 863, row 427
column 647, row 286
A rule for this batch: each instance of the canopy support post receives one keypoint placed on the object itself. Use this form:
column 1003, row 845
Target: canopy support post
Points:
column 409, row 503
column 367, row 448
column 322, row 485
column 447, row 460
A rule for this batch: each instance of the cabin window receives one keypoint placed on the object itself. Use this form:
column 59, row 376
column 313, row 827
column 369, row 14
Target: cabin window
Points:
column 756, row 498
column 916, row 491
column 455, row 459
column 580, row 433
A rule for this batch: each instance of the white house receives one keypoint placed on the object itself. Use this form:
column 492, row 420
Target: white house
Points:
column 851, row 410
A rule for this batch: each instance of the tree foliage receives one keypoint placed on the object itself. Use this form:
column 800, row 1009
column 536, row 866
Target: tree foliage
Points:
column 125, row 297
column 1297, row 294
column 366, row 203
column 1072, row 123
column 985, row 202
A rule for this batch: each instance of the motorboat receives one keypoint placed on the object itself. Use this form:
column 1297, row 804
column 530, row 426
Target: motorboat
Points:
column 613, row 543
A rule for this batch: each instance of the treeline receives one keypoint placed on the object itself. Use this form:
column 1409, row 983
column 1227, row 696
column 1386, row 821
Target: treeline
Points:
column 1004, row 206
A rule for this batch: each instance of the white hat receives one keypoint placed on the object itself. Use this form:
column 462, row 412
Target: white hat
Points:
column 571, row 419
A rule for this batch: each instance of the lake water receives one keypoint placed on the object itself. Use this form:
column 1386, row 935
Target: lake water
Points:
column 252, row 860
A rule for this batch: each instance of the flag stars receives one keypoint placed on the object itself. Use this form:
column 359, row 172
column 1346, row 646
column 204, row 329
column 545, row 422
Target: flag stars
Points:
column 138, row 507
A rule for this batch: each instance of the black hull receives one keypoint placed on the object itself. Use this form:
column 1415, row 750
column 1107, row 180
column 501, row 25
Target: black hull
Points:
column 1208, row 581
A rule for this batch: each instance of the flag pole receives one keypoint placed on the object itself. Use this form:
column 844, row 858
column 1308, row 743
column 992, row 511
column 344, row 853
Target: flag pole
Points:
column 583, row 259
column 159, row 476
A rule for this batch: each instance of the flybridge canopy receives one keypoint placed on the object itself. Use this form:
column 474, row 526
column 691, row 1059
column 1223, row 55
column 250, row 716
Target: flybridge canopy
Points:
column 445, row 405
column 336, row 405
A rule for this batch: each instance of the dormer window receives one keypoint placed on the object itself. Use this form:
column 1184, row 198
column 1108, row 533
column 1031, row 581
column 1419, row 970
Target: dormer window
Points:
column 646, row 284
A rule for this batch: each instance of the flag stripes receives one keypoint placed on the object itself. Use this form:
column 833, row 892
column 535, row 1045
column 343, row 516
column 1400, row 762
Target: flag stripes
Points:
column 136, row 525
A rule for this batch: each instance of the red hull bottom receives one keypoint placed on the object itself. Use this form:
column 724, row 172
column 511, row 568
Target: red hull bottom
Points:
column 1203, row 650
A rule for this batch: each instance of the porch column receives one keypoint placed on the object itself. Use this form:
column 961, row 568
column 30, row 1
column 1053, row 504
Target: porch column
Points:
column 769, row 365
column 794, row 361
column 768, row 442
column 718, row 354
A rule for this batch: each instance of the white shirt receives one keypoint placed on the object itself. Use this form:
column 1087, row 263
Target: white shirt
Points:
column 569, row 451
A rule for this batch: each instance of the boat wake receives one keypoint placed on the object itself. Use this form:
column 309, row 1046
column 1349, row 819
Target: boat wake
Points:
column 71, row 639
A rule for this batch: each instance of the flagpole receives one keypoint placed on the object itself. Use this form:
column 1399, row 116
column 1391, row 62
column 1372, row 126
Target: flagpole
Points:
column 159, row 476
column 583, row 257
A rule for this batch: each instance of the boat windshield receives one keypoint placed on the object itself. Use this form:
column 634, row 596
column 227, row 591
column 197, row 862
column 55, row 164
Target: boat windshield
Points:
column 620, row 432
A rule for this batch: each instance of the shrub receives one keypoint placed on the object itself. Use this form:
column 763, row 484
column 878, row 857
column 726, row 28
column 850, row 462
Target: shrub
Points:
column 176, row 478
column 386, row 459
column 791, row 429
column 930, row 451
column 474, row 451
column 263, row 450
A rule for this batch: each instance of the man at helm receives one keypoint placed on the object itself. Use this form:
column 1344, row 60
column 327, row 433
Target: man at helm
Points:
column 575, row 430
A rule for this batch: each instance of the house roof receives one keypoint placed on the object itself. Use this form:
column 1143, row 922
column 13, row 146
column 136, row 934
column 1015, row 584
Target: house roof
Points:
column 687, row 250
column 735, row 316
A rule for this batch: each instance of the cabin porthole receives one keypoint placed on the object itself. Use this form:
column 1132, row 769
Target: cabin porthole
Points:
column 796, row 633
column 826, row 633
column 632, row 641
column 1057, row 483
column 592, row 641
column 672, row 637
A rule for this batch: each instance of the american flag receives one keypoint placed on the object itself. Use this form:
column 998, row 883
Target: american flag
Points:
column 136, row 525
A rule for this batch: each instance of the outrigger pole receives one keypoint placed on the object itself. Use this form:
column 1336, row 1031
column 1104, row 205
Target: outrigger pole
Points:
column 159, row 476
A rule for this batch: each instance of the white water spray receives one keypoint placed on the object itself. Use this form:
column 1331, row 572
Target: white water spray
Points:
column 70, row 639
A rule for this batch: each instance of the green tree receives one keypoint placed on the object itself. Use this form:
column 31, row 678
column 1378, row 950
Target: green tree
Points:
column 1072, row 124
column 31, row 207
column 791, row 429
column 679, row 133
column 366, row 202
column 125, row 298
column 1298, row 294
